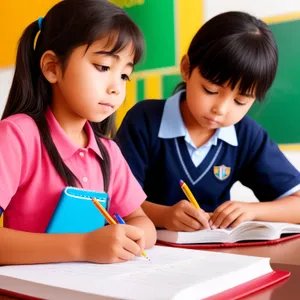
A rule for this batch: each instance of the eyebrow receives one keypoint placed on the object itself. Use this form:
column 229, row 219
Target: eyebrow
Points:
column 114, row 56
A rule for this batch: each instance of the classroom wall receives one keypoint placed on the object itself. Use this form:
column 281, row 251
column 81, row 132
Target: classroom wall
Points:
column 168, row 27
column 166, row 42
column 278, row 114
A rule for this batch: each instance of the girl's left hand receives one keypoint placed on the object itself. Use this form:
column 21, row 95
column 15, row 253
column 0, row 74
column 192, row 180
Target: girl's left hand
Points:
column 232, row 213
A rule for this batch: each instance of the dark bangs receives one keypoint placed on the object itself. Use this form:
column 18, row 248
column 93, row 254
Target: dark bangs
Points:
column 241, row 61
column 121, row 32
column 87, row 21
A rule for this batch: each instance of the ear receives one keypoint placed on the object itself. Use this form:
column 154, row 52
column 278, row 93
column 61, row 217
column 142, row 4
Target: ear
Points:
column 185, row 68
column 50, row 66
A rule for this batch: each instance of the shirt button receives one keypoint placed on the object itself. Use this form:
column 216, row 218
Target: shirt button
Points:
column 81, row 154
column 84, row 179
column 197, row 153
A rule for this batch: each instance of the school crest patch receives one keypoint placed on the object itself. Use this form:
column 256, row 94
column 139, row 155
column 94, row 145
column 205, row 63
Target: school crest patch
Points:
column 222, row 172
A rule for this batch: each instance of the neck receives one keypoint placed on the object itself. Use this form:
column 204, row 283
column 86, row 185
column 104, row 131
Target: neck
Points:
column 71, row 123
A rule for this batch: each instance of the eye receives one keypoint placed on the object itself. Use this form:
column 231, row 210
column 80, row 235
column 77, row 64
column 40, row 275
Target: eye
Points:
column 239, row 103
column 102, row 68
column 125, row 77
column 209, row 92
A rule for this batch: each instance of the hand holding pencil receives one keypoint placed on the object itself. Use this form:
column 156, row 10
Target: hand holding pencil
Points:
column 109, row 244
column 111, row 221
column 186, row 215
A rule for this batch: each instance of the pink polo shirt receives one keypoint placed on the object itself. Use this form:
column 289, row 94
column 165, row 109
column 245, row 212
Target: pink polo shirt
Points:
column 30, row 187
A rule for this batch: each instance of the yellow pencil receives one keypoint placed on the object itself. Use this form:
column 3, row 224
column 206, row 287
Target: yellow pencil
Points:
column 189, row 194
column 109, row 219
column 104, row 212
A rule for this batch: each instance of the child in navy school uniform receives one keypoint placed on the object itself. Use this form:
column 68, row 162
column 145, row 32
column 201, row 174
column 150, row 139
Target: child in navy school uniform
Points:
column 202, row 134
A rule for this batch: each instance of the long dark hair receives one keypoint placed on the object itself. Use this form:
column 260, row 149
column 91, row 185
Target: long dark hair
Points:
column 68, row 24
column 238, row 48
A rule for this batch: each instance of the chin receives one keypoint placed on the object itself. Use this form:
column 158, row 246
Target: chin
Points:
column 98, row 119
column 210, row 127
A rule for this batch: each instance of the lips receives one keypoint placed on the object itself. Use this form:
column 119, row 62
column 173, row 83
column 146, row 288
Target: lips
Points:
column 212, row 121
column 106, row 104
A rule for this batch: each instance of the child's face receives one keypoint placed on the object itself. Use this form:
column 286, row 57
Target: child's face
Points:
column 94, row 83
column 213, row 106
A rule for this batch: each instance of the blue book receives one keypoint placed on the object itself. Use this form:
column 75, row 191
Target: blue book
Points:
column 76, row 213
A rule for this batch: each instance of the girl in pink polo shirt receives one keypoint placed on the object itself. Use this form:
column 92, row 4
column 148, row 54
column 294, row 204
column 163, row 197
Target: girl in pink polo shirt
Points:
column 69, row 80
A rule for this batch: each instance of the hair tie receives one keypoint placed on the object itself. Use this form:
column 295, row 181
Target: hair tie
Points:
column 40, row 21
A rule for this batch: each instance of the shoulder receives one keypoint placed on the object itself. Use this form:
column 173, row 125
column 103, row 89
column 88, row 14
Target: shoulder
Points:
column 20, row 138
column 112, row 148
column 19, row 124
column 254, row 140
column 149, row 105
column 144, row 117
column 115, row 155
column 146, row 110
column 249, row 129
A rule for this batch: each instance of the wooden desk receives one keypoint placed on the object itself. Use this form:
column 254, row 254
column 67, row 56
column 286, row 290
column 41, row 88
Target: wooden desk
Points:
column 282, row 253
column 285, row 256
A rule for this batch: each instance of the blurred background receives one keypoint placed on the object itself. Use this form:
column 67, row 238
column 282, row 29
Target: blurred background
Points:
column 168, row 27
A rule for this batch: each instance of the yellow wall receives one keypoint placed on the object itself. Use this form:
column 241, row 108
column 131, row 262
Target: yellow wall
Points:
column 15, row 15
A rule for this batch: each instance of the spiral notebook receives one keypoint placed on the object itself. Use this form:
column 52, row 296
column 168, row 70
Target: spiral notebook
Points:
column 76, row 213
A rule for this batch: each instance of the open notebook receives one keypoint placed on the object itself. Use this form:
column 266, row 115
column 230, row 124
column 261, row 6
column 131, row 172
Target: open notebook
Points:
column 172, row 273
column 251, row 230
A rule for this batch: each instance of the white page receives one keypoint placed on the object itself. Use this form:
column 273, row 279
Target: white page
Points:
column 285, row 227
column 170, row 271
column 206, row 235
column 250, row 230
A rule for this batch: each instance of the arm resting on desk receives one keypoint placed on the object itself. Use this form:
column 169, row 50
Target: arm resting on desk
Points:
column 19, row 247
column 286, row 209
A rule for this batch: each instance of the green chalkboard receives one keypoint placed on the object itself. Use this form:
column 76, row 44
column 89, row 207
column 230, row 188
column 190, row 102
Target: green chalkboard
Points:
column 140, row 90
column 280, row 113
column 169, row 82
column 157, row 24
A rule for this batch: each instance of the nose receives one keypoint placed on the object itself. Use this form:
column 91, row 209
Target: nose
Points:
column 220, row 108
column 114, row 87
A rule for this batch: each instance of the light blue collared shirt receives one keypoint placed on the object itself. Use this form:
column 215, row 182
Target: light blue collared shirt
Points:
column 172, row 126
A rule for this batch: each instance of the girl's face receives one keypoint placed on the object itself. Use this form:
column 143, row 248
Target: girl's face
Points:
column 93, row 85
column 213, row 106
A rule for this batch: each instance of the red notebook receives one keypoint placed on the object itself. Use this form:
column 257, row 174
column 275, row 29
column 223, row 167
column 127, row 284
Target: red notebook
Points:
column 230, row 245
column 252, row 286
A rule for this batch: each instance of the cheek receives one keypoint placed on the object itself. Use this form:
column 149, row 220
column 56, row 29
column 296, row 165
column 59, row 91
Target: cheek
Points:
column 122, row 92
column 85, row 85
column 237, row 114
column 198, row 103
